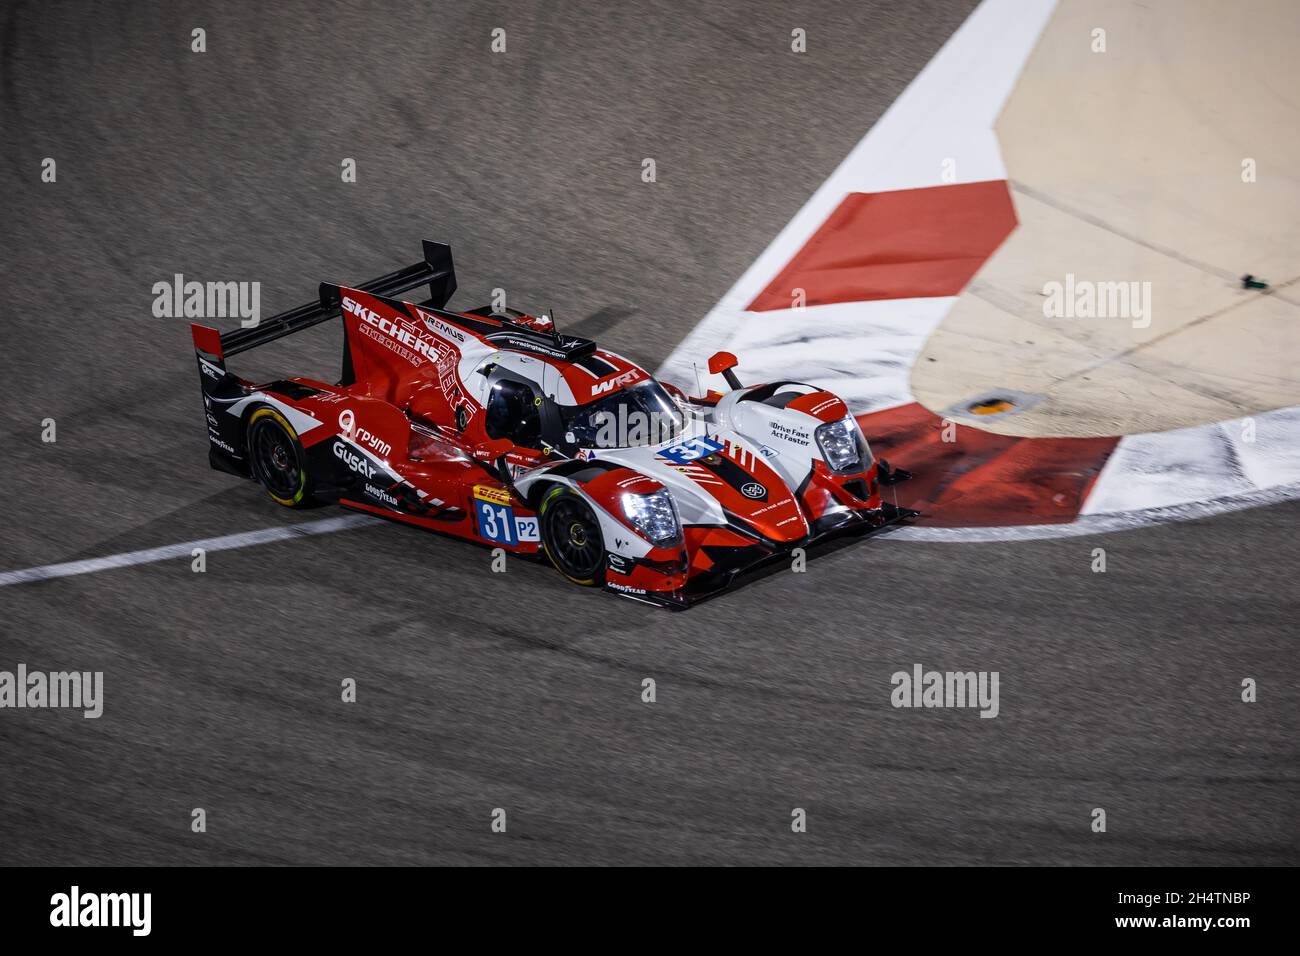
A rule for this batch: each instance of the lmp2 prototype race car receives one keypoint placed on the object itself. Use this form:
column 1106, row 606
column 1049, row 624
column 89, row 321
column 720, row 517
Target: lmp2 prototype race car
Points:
column 493, row 426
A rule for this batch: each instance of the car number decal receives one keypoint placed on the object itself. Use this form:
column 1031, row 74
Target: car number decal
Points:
column 496, row 516
column 691, row 450
column 496, row 523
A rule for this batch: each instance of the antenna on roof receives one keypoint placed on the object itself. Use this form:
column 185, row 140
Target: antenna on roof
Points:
column 555, row 329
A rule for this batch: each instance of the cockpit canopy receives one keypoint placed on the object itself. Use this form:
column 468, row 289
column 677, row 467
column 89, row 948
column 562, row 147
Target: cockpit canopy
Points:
column 639, row 414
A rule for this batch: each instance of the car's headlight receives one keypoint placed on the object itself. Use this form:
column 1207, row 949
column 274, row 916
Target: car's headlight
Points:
column 843, row 446
column 655, row 517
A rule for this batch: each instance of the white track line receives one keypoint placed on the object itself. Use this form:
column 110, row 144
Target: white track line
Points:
column 184, row 549
column 1086, row 525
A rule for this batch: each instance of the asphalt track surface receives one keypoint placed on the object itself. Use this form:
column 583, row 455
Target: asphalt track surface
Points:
column 477, row 690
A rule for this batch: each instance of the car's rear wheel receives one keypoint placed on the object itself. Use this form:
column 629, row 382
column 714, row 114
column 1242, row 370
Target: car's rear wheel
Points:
column 571, row 536
column 277, row 458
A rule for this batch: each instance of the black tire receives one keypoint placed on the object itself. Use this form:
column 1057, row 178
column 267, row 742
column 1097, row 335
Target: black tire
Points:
column 571, row 536
column 277, row 459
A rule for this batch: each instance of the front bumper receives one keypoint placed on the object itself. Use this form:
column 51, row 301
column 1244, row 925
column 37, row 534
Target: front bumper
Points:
column 766, row 554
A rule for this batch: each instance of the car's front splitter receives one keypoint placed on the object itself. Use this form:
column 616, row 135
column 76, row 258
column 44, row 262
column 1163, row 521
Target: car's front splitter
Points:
column 708, row 584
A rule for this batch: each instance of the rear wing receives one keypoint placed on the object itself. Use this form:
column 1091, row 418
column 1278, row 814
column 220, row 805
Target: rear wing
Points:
column 436, row 270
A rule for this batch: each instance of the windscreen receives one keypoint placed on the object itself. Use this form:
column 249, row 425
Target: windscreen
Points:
column 641, row 414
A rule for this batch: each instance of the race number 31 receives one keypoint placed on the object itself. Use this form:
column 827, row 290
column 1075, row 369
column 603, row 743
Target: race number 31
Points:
column 496, row 523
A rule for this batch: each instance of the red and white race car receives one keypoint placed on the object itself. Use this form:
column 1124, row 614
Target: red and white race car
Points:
column 494, row 427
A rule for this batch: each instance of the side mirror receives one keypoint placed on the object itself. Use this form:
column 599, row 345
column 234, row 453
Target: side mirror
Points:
column 723, row 363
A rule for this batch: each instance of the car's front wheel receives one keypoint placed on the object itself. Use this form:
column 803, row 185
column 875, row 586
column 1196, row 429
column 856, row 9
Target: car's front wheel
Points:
column 571, row 536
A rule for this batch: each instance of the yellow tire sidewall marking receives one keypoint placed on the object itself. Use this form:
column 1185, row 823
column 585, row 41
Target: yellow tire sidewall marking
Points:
column 266, row 412
column 553, row 493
